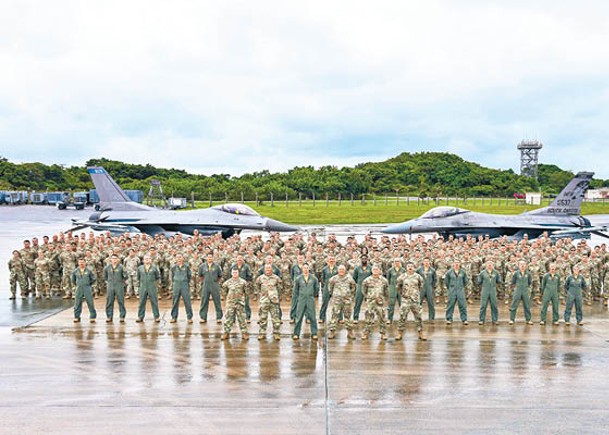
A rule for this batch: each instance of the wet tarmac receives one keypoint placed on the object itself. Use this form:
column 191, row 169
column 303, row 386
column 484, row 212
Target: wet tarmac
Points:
column 61, row 377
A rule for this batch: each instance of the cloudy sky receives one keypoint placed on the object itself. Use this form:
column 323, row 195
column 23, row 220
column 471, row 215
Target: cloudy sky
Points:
column 240, row 86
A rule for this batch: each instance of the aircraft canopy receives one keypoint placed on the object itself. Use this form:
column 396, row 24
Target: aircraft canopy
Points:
column 442, row 212
column 237, row 209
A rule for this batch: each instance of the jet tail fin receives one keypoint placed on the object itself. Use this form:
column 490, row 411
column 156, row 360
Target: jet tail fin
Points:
column 569, row 200
column 111, row 196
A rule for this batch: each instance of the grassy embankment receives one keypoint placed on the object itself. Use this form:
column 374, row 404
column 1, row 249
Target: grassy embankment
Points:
column 369, row 213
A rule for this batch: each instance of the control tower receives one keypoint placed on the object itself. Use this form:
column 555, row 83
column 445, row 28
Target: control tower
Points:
column 529, row 157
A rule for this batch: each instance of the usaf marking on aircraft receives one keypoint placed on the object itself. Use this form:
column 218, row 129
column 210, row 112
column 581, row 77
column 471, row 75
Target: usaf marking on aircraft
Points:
column 562, row 218
column 118, row 214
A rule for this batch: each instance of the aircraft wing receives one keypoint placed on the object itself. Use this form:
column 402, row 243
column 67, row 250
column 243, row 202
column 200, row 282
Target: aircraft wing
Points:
column 598, row 231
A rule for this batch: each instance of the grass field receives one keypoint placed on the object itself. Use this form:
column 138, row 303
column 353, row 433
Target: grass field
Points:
column 369, row 213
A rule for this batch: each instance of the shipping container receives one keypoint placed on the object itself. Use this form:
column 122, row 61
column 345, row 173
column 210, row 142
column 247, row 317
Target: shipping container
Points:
column 53, row 198
column 38, row 198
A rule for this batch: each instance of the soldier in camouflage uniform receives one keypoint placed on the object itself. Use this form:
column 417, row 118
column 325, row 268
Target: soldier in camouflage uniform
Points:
column 499, row 266
column 235, row 290
column 285, row 266
column 16, row 268
column 410, row 286
column 131, row 263
column 585, row 269
column 28, row 255
column 245, row 273
column 341, row 288
column 54, row 265
column 43, row 276
column 511, row 266
column 441, row 267
column 268, row 287
column 476, row 260
column 563, row 268
column 375, row 289
column 466, row 265
column 597, row 265
column 91, row 263
column 535, row 270
column 194, row 262
column 68, row 264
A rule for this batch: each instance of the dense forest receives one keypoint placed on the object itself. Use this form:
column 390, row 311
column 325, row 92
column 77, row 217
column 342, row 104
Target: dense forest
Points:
column 422, row 174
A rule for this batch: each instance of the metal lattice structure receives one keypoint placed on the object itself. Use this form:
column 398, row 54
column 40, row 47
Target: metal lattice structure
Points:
column 529, row 157
column 156, row 197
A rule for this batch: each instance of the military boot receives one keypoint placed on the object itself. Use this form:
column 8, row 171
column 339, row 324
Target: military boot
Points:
column 364, row 336
column 277, row 337
column 421, row 336
column 245, row 336
column 331, row 335
column 224, row 336
column 260, row 337
column 399, row 336
column 383, row 337
column 350, row 335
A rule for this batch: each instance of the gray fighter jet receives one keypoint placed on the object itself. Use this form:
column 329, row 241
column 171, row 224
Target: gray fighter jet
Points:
column 562, row 218
column 118, row 214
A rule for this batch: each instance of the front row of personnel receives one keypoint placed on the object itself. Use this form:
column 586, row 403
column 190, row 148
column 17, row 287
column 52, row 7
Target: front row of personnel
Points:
column 412, row 286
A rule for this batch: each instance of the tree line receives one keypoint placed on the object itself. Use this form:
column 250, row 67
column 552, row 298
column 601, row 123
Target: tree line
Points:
column 424, row 174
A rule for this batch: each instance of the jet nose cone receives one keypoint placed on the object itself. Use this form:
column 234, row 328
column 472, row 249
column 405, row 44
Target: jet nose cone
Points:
column 402, row 228
column 273, row 225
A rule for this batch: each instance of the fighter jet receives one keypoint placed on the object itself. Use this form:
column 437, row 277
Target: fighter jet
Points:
column 118, row 214
column 562, row 218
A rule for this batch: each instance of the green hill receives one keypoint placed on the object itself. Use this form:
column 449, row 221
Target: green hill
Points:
column 414, row 174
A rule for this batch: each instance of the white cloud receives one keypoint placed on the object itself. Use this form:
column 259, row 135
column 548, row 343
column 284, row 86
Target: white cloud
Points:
column 237, row 86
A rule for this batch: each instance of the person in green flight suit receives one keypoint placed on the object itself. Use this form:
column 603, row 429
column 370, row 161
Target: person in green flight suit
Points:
column 305, row 287
column 83, row 279
column 521, row 282
column 575, row 285
column 456, row 281
column 115, row 276
column 327, row 272
column 360, row 273
column 488, row 280
column 210, row 274
column 148, row 276
column 180, row 280
column 295, row 272
column 428, row 273
column 392, row 275
column 550, row 289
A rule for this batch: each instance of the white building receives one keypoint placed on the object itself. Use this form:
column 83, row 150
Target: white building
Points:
column 597, row 194
column 533, row 198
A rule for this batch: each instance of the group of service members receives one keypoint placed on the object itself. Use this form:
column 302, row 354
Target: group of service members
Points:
column 375, row 274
